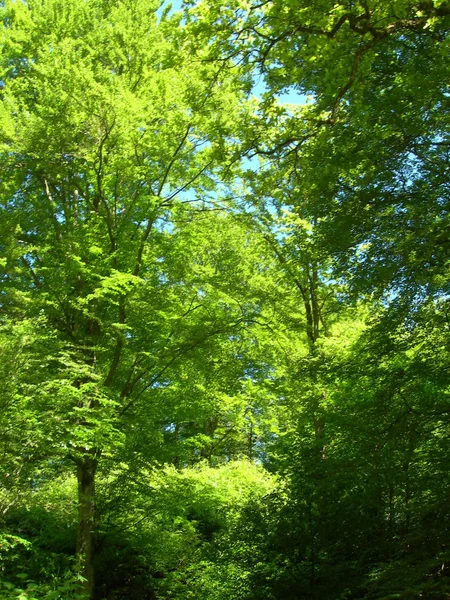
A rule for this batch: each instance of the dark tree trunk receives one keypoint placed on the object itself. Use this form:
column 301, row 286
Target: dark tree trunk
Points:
column 86, row 468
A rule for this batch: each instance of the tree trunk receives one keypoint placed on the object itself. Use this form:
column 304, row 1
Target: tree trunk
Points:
column 86, row 468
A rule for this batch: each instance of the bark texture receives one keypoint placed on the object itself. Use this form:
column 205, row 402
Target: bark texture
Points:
column 86, row 469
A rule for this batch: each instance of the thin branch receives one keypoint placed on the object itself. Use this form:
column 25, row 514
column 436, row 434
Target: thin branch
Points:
column 53, row 209
column 178, row 353
column 119, row 344
column 187, row 184
column 37, row 283
column 173, row 159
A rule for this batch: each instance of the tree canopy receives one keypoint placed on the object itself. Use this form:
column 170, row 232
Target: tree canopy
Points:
column 224, row 317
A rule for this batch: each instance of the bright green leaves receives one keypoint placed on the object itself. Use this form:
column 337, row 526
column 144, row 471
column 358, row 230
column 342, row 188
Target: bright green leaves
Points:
column 113, row 128
column 163, row 303
column 112, row 287
column 371, row 138
column 189, row 522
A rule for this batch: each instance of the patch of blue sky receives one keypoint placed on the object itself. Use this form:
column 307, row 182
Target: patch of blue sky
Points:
column 290, row 96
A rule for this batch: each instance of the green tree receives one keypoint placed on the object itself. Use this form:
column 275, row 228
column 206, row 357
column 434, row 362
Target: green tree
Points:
column 111, row 129
column 369, row 149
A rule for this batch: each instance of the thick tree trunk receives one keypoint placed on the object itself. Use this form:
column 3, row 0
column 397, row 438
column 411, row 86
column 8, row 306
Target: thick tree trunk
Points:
column 86, row 468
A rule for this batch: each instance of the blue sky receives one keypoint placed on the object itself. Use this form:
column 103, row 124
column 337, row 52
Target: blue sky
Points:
column 291, row 96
